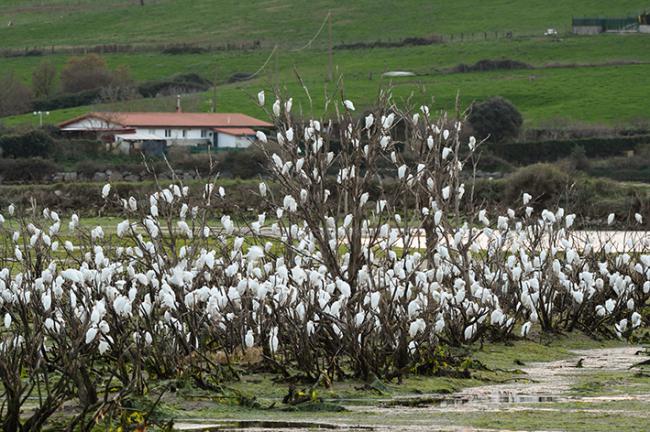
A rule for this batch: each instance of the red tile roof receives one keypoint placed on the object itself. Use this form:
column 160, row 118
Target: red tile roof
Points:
column 235, row 131
column 173, row 119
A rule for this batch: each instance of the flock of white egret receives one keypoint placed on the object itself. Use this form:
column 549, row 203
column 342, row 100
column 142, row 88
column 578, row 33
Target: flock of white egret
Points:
column 316, row 284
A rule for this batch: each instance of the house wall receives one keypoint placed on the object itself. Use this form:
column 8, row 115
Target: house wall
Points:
column 644, row 28
column 230, row 141
column 192, row 136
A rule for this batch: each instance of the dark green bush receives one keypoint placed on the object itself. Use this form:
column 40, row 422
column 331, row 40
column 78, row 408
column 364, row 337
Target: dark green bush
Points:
column 26, row 170
column 496, row 118
column 31, row 144
column 549, row 151
column 491, row 65
column 77, row 149
column 183, row 49
column 200, row 163
column 187, row 83
column 243, row 164
column 67, row 100
column 546, row 183
column 89, row 167
column 578, row 159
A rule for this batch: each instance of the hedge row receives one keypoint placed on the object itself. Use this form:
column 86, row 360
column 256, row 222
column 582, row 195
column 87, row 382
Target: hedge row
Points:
column 35, row 143
column 185, row 83
column 547, row 151
column 67, row 100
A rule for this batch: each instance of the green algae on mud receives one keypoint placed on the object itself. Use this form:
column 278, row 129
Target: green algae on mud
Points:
column 598, row 400
column 259, row 395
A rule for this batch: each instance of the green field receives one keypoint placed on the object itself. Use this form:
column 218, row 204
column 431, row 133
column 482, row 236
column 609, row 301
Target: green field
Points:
column 81, row 22
column 602, row 79
column 544, row 95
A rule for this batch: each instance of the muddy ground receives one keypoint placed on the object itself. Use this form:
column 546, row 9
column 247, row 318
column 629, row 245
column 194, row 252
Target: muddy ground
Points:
column 571, row 384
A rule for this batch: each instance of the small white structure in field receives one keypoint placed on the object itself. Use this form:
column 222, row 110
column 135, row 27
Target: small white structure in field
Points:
column 397, row 74
column 218, row 130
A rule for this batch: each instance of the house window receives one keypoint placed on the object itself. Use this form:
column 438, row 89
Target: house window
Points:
column 204, row 133
column 168, row 133
column 184, row 133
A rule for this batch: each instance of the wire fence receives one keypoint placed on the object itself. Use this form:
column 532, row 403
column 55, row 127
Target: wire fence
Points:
column 199, row 48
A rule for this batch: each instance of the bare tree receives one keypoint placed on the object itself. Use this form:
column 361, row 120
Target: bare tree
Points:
column 85, row 73
column 44, row 79
column 15, row 97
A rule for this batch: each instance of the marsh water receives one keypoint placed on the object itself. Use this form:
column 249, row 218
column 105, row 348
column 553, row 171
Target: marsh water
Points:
column 541, row 389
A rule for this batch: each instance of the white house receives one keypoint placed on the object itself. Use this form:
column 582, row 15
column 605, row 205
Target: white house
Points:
column 133, row 129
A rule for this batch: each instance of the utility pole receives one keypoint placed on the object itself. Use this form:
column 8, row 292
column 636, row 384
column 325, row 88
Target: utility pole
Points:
column 40, row 115
column 276, row 72
column 213, row 101
column 330, row 75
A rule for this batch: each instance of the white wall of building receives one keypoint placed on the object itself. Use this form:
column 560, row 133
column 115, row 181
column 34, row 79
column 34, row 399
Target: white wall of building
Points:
column 173, row 136
column 231, row 141
column 179, row 136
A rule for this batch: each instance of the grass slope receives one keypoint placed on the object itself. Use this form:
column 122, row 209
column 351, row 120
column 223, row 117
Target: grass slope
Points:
column 541, row 95
column 604, row 91
column 61, row 22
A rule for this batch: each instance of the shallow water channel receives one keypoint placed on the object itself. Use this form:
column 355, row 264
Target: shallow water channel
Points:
column 543, row 389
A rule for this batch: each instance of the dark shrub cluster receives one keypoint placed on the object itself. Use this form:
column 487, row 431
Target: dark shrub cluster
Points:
column 491, row 65
column 548, row 151
column 496, row 119
column 26, row 170
column 35, row 143
column 182, row 83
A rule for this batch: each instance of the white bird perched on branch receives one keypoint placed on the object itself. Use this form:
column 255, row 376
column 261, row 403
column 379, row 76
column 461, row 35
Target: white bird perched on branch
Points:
column 106, row 190
column 91, row 334
column 261, row 136
column 249, row 339
column 416, row 327
column 273, row 340
column 260, row 98
column 610, row 218
column 401, row 171
column 525, row 329
column 370, row 119
column 348, row 104
column 472, row 143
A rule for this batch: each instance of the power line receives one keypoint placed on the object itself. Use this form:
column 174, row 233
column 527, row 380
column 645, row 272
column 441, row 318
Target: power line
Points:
column 322, row 26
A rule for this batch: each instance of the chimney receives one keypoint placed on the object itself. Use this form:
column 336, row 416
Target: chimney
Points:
column 178, row 104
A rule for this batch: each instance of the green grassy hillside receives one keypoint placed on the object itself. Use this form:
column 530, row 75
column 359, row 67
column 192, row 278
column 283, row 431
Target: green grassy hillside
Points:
column 602, row 79
column 543, row 96
column 81, row 22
